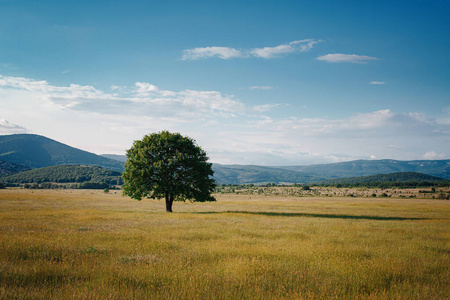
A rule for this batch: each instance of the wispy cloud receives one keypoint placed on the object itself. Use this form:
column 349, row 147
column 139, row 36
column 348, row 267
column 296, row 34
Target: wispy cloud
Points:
column 292, row 47
column 264, row 107
column 208, row 52
column 378, row 134
column 346, row 58
column 377, row 82
column 229, row 129
column 7, row 127
column 265, row 52
column 43, row 88
column 141, row 99
column 261, row 87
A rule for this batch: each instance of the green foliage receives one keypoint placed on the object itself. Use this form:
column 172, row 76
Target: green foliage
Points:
column 8, row 168
column 306, row 188
column 168, row 165
column 93, row 185
column 2, row 186
column 384, row 181
column 66, row 174
column 239, row 174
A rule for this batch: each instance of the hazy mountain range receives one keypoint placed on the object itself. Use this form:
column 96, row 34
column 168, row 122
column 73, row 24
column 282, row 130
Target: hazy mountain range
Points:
column 21, row 152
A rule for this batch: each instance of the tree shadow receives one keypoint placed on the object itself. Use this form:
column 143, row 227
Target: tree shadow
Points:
column 311, row 215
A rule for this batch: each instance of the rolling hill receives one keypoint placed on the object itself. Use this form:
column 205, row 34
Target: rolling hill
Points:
column 121, row 158
column 238, row 174
column 65, row 174
column 384, row 178
column 9, row 168
column 439, row 168
column 35, row 151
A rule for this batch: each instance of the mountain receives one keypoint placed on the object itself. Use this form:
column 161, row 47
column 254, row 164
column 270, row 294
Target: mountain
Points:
column 35, row 151
column 65, row 174
column 439, row 168
column 121, row 158
column 238, row 174
column 8, row 168
column 383, row 178
column 241, row 174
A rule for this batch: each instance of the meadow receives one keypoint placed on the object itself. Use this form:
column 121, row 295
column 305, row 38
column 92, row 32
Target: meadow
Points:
column 86, row 244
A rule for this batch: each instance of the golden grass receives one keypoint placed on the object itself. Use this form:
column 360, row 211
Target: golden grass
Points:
column 91, row 245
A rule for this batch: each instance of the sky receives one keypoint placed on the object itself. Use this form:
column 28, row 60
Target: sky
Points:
column 252, row 82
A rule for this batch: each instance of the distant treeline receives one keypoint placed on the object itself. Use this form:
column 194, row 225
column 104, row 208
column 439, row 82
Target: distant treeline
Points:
column 84, row 185
column 66, row 174
column 387, row 185
column 380, row 185
column 398, row 180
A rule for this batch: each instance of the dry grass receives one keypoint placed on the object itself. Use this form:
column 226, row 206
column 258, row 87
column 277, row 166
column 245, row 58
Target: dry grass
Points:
column 91, row 245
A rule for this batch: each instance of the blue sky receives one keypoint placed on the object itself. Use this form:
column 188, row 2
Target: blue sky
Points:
column 253, row 82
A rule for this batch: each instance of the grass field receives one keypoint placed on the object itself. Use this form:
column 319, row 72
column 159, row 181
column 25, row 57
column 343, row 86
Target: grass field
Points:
column 59, row 244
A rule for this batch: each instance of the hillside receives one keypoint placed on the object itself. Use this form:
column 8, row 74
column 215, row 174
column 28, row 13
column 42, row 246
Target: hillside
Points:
column 384, row 178
column 8, row 168
column 439, row 168
column 35, row 151
column 65, row 174
column 121, row 158
column 239, row 174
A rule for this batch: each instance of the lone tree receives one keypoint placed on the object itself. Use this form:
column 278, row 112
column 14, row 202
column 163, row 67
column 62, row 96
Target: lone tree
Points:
column 168, row 165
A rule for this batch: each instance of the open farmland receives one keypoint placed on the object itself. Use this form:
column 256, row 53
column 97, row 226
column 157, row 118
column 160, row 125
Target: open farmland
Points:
column 91, row 245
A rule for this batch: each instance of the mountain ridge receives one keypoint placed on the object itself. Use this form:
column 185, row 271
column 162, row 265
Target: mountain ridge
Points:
column 398, row 177
column 66, row 174
column 36, row 151
column 438, row 168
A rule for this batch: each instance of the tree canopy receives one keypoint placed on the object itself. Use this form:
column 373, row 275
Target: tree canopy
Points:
column 168, row 165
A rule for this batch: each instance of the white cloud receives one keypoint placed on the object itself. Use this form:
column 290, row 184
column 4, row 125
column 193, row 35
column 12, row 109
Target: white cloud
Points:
column 350, row 58
column 230, row 130
column 377, row 82
column 383, row 133
column 360, row 122
column 44, row 89
column 207, row 52
column 434, row 155
column 264, row 107
column 265, row 52
column 295, row 46
column 143, row 99
column 7, row 127
column 144, row 88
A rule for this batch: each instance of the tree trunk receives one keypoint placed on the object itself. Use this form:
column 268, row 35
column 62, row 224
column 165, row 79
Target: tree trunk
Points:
column 169, row 202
